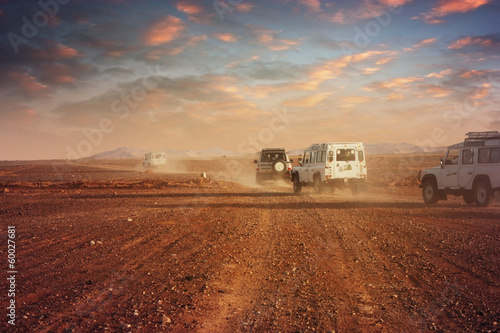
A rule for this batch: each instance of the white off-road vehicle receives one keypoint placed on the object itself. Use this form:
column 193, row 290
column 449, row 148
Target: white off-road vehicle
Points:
column 333, row 165
column 470, row 168
column 273, row 163
column 154, row 159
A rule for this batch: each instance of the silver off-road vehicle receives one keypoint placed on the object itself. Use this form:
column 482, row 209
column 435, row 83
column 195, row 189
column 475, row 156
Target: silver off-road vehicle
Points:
column 154, row 159
column 470, row 169
column 331, row 165
column 273, row 163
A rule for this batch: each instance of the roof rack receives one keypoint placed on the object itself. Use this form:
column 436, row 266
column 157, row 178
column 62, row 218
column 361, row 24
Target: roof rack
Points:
column 278, row 149
column 478, row 138
column 483, row 135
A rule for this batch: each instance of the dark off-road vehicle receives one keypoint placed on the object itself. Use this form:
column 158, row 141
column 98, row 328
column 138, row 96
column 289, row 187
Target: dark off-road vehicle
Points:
column 273, row 163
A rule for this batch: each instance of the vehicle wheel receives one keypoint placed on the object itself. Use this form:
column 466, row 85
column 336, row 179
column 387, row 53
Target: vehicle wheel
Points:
column 297, row 186
column 482, row 193
column 469, row 197
column 317, row 185
column 430, row 192
column 279, row 167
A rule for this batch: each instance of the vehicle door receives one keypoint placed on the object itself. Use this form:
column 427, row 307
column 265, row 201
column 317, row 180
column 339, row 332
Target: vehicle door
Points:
column 304, row 175
column 312, row 166
column 450, row 169
column 346, row 162
column 466, row 168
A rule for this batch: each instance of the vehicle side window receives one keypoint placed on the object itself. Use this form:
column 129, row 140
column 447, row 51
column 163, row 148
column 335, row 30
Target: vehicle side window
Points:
column 321, row 157
column 489, row 155
column 467, row 156
column 495, row 155
column 452, row 157
column 484, row 155
column 361, row 156
column 306, row 157
column 313, row 157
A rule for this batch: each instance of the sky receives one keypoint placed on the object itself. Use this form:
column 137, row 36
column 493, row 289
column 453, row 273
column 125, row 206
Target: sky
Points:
column 82, row 77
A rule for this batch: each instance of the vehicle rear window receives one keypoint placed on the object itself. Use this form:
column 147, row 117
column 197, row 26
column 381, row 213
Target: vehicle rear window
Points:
column 346, row 155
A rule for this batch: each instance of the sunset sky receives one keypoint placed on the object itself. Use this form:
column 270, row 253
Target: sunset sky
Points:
column 81, row 77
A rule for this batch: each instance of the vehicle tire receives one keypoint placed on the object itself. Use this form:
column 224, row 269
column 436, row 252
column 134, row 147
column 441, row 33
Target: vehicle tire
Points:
column 430, row 192
column 482, row 193
column 317, row 184
column 297, row 186
column 469, row 197
column 279, row 167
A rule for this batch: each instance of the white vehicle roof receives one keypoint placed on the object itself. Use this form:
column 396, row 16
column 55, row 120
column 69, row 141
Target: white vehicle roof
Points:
column 331, row 145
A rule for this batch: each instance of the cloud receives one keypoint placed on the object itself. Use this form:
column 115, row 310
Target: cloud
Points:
column 370, row 70
column 435, row 90
column 307, row 101
column 423, row 43
column 477, row 41
column 165, row 31
column 447, row 7
column 312, row 5
column 239, row 62
column 399, row 84
column 366, row 10
column 188, row 7
column 270, row 38
column 27, row 83
column 333, row 68
column 226, row 37
column 440, row 74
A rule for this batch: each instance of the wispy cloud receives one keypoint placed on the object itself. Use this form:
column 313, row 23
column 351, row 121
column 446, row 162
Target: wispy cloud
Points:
column 447, row 7
column 481, row 41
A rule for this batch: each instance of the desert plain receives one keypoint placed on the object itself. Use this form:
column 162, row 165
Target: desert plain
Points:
column 104, row 246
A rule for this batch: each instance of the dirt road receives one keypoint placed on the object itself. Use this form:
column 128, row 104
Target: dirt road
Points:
column 128, row 251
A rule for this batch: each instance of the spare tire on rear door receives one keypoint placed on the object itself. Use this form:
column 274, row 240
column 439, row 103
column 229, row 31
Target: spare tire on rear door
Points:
column 279, row 167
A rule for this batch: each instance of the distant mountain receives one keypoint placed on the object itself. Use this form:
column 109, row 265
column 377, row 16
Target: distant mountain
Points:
column 127, row 153
column 119, row 153
column 384, row 149
column 371, row 148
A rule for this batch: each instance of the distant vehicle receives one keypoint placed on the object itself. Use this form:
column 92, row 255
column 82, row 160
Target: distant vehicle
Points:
column 470, row 168
column 154, row 159
column 273, row 163
column 331, row 164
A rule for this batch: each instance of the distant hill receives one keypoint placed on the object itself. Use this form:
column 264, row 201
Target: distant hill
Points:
column 119, row 153
column 371, row 148
column 383, row 149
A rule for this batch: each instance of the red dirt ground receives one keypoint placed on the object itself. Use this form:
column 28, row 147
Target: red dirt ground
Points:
column 104, row 246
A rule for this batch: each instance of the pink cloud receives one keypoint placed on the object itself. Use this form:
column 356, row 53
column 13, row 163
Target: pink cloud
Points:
column 188, row 7
column 165, row 31
column 63, row 51
column 469, row 41
column 226, row 37
column 27, row 82
column 447, row 7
